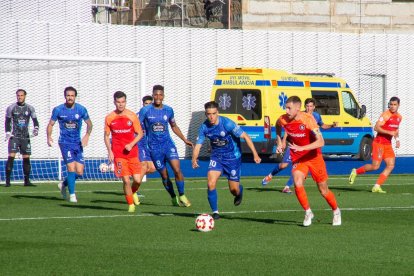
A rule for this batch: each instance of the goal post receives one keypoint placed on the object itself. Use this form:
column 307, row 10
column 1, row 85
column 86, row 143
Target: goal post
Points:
column 44, row 78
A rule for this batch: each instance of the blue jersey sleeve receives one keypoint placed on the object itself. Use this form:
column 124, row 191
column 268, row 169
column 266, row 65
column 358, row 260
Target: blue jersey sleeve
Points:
column 201, row 134
column 231, row 126
column 141, row 114
column 170, row 114
column 55, row 113
column 85, row 114
column 318, row 118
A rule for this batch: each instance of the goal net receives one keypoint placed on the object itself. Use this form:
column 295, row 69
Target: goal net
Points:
column 44, row 79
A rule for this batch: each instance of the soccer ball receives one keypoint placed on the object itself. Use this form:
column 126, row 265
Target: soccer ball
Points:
column 204, row 223
column 103, row 167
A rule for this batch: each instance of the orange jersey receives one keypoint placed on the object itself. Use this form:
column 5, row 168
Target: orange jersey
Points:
column 391, row 122
column 123, row 130
column 300, row 132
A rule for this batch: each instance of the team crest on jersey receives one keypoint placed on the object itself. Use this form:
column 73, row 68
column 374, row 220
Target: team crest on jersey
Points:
column 129, row 123
column 233, row 172
column 302, row 127
column 294, row 166
column 173, row 150
column 222, row 133
column 77, row 116
column 381, row 119
column 28, row 146
column 26, row 113
column 165, row 117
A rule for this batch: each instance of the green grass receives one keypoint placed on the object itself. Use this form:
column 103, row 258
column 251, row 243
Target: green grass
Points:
column 40, row 234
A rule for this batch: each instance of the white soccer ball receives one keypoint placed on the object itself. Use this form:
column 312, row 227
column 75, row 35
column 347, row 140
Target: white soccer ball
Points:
column 103, row 167
column 204, row 223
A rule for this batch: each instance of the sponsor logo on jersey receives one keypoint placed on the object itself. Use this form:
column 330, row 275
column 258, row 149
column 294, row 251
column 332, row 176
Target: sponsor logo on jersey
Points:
column 220, row 143
column 71, row 125
column 121, row 130
column 158, row 127
column 299, row 135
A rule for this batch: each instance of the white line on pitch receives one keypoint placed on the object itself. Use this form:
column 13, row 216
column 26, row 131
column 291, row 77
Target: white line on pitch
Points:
column 229, row 212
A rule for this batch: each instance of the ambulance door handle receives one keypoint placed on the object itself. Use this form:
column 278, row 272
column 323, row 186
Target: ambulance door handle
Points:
column 347, row 123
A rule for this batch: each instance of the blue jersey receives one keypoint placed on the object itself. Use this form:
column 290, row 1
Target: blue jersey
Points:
column 155, row 122
column 224, row 137
column 318, row 118
column 70, row 122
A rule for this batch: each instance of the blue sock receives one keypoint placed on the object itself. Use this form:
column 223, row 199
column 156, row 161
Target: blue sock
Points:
column 212, row 199
column 180, row 187
column 65, row 182
column 71, row 179
column 169, row 187
column 276, row 170
column 290, row 181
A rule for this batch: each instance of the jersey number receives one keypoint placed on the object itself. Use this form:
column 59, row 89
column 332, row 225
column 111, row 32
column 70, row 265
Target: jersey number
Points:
column 212, row 163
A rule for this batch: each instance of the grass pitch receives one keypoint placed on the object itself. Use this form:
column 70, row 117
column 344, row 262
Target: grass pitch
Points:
column 40, row 234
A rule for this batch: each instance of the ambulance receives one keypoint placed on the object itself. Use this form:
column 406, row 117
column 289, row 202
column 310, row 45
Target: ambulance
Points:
column 255, row 98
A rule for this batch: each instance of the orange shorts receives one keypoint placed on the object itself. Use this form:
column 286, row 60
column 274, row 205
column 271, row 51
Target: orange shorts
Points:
column 316, row 166
column 126, row 167
column 382, row 151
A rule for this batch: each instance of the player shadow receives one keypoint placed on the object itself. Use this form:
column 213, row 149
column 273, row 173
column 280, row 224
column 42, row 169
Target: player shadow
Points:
column 37, row 197
column 162, row 214
column 266, row 221
column 80, row 206
column 108, row 193
column 346, row 189
column 108, row 201
column 264, row 189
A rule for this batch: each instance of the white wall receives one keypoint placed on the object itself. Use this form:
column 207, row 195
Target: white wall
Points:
column 185, row 62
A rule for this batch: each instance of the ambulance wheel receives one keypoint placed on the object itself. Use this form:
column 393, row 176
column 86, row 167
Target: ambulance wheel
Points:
column 365, row 149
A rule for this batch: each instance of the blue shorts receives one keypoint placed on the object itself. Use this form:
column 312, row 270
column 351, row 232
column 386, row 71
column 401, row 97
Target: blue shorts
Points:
column 161, row 155
column 286, row 156
column 72, row 153
column 228, row 167
column 144, row 154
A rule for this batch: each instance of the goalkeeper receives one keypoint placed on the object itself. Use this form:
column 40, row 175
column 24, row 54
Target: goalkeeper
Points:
column 17, row 134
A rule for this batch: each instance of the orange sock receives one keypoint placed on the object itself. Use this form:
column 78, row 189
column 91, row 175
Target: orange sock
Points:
column 302, row 197
column 129, row 199
column 134, row 189
column 381, row 179
column 360, row 170
column 330, row 198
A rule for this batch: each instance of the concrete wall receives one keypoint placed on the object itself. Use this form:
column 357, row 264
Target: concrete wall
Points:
column 355, row 16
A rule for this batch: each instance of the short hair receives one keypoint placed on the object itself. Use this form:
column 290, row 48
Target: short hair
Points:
column 294, row 99
column 395, row 99
column 157, row 87
column 310, row 100
column 119, row 94
column 211, row 104
column 147, row 98
column 21, row 90
column 70, row 88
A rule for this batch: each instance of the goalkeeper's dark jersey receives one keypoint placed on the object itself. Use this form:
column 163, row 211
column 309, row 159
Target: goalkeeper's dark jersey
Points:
column 18, row 118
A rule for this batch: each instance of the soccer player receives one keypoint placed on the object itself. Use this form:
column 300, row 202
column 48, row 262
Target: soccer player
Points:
column 387, row 128
column 305, row 141
column 224, row 136
column 310, row 105
column 155, row 118
column 17, row 134
column 123, row 125
column 70, row 116
column 147, row 166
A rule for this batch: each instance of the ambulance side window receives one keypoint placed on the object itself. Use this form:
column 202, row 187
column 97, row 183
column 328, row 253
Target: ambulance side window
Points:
column 350, row 105
column 246, row 102
column 327, row 102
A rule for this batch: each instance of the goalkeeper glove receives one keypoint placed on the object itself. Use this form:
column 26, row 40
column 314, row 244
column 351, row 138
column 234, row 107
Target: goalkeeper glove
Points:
column 35, row 131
